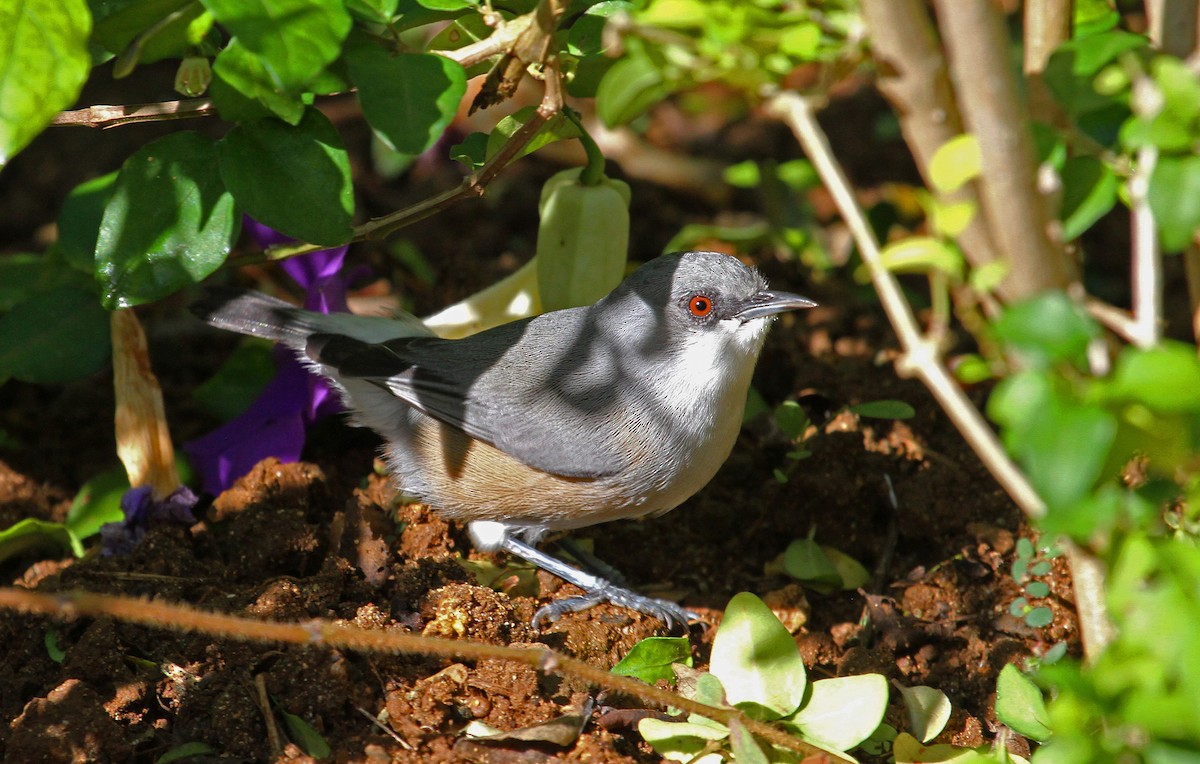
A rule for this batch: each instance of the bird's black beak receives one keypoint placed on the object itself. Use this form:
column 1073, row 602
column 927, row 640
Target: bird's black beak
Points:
column 768, row 303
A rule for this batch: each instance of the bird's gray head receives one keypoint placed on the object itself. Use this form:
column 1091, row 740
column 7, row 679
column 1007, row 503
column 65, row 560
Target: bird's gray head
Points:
column 692, row 299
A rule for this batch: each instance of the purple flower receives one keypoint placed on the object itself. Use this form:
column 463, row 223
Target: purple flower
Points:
column 141, row 510
column 274, row 425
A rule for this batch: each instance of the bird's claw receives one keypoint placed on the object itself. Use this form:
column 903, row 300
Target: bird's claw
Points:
column 672, row 614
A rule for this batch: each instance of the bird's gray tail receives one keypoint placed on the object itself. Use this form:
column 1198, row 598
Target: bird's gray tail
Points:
column 254, row 313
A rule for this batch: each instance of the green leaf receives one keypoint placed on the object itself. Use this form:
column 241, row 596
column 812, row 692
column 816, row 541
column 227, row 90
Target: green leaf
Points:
column 98, row 502
column 850, row 571
column 956, row 162
column 757, row 660
column 185, row 751
column 243, row 90
column 44, row 62
column 293, row 179
column 928, row 711
column 170, row 222
column 19, row 278
column 679, row 741
column 145, row 31
column 31, row 534
column 1062, row 445
column 1047, row 329
column 23, row 276
column 806, row 561
column 791, row 419
column 373, row 11
column 628, row 89
column 1166, row 378
column 840, row 713
column 555, row 129
column 652, row 658
column 1037, row 589
column 53, row 649
column 922, row 254
column 971, row 369
column 447, row 5
column 239, row 381
column 305, row 736
column 884, row 409
column 462, row 32
column 745, row 749
column 1175, row 199
column 1089, row 192
column 54, row 337
column 293, row 39
column 79, row 221
column 408, row 98
column 586, row 37
column 472, row 151
column 951, row 219
column 1039, row 617
column 1020, row 705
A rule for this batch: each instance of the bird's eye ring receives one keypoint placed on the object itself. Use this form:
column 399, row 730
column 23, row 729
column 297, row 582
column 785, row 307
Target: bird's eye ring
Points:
column 700, row 305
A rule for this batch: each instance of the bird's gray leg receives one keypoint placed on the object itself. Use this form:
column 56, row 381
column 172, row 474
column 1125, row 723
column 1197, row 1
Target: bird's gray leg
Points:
column 591, row 562
column 597, row 590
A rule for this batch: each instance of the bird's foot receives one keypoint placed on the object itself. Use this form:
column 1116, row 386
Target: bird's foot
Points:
column 672, row 614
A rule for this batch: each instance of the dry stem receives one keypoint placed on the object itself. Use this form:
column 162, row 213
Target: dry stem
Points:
column 318, row 633
column 974, row 35
column 920, row 359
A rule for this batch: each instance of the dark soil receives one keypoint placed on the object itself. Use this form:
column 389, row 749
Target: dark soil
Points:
column 325, row 539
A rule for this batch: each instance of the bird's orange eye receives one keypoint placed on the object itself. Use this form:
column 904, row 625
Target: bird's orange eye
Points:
column 700, row 306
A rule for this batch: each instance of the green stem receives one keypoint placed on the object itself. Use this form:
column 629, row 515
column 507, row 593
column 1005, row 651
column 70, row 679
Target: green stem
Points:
column 593, row 171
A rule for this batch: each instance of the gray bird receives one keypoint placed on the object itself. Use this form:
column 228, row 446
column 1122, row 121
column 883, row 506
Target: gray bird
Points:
column 616, row 410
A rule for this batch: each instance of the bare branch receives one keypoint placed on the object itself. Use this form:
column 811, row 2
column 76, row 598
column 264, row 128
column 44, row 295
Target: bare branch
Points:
column 912, row 75
column 920, row 358
column 334, row 635
column 104, row 117
column 975, row 38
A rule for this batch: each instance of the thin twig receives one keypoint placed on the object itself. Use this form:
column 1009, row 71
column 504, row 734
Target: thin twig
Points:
column 1147, row 262
column 335, row 635
column 264, row 705
column 104, row 117
column 920, row 358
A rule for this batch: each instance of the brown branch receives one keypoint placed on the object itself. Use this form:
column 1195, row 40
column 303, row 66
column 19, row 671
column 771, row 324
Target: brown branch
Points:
column 319, row 633
column 977, row 44
column 103, row 117
column 1173, row 25
column 1047, row 25
column 912, row 76
column 920, row 359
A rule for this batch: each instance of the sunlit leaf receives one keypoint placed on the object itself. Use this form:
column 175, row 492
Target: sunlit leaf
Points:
column 1089, row 191
column 757, row 660
column 842, row 712
column 956, row 162
column 293, row 39
column 170, row 222
column 628, row 89
column 652, row 658
column 44, row 62
column 928, row 711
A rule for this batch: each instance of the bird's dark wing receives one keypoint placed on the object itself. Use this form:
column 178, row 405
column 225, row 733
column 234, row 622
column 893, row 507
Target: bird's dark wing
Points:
column 494, row 392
